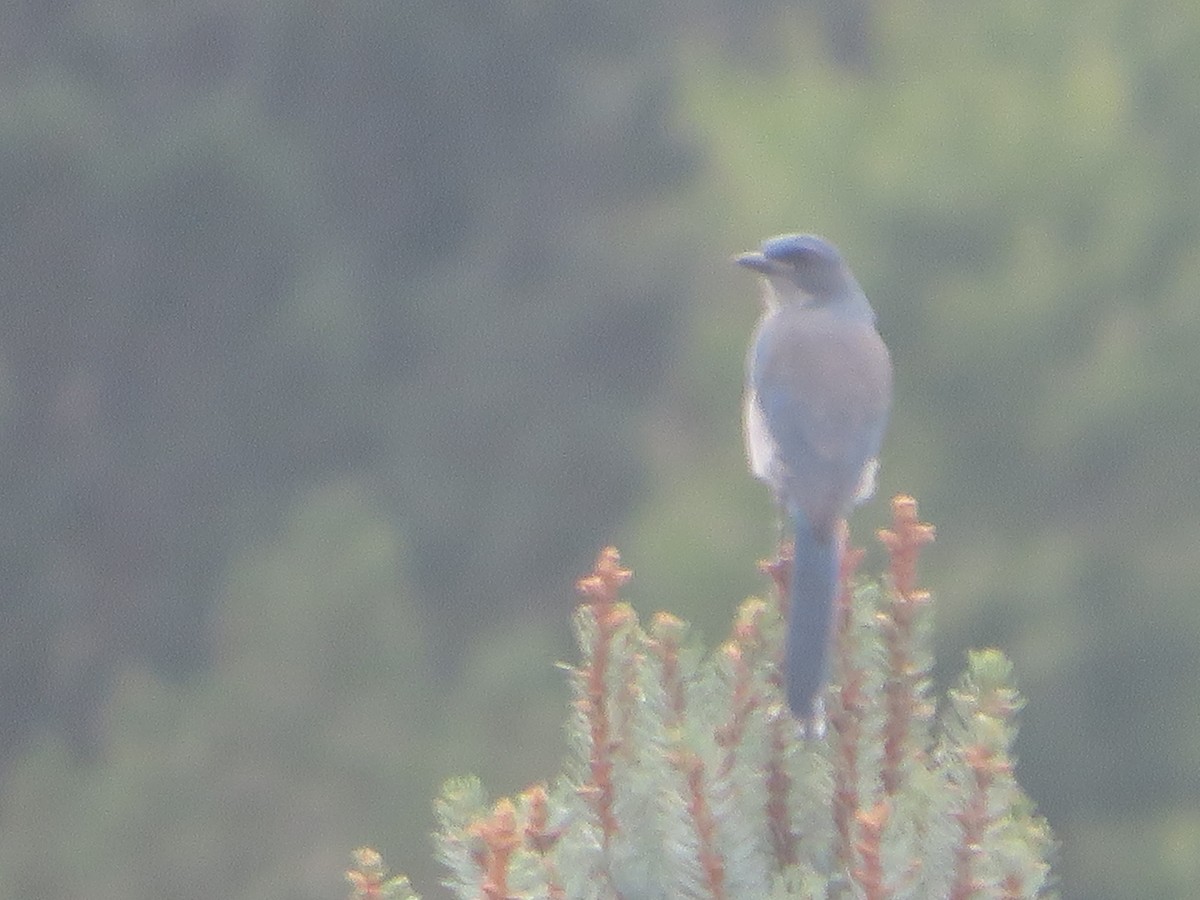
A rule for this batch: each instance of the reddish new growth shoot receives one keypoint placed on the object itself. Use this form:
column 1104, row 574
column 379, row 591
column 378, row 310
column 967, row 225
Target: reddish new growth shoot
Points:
column 782, row 729
column 600, row 591
column 779, row 788
column 743, row 701
column 848, row 710
column 666, row 631
column 368, row 875
column 541, row 839
column 780, row 571
column 904, row 542
column 869, row 875
column 500, row 838
column 705, row 823
column 975, row 818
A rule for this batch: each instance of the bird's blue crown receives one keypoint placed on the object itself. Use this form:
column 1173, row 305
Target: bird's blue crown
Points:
column 791, row 247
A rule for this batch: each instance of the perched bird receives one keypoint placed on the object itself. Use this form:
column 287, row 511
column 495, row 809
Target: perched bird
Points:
column 818, row 391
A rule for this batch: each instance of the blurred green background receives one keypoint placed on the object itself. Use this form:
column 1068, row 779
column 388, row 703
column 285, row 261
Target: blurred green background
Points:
column 337, row 338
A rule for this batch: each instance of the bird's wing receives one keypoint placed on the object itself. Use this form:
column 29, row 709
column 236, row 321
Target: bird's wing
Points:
column 761, row 451
column 822, row 388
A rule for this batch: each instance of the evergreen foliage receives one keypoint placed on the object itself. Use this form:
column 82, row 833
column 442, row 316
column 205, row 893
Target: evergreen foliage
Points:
column 249, row 248
column 1010, row 183
column 687, row 777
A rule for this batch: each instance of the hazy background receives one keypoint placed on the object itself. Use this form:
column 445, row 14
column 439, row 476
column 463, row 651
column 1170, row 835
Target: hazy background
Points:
column 337, row 338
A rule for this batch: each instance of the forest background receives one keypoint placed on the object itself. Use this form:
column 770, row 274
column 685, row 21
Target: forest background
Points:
column 339, row 337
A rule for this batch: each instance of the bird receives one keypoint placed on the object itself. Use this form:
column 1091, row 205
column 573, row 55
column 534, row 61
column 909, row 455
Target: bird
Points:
column 818, row 395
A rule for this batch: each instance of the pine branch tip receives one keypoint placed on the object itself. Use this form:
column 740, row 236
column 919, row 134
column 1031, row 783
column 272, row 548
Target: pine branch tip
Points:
column 689, row 776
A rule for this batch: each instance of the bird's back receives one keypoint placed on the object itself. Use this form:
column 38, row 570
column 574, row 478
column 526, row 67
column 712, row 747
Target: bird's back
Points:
column 820, row 387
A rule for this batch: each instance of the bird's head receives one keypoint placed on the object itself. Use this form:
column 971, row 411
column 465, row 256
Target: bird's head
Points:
column 803, row 261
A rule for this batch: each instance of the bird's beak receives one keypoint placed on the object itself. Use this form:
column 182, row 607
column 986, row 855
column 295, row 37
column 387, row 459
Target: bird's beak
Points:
column 758, row 263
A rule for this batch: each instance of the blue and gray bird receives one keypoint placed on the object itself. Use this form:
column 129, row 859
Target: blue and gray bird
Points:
column 818, row 391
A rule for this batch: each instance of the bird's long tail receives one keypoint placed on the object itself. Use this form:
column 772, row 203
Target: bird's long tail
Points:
column 810, row 618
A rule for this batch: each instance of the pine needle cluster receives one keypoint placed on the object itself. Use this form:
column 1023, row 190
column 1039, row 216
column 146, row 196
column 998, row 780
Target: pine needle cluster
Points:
column 687, row 778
